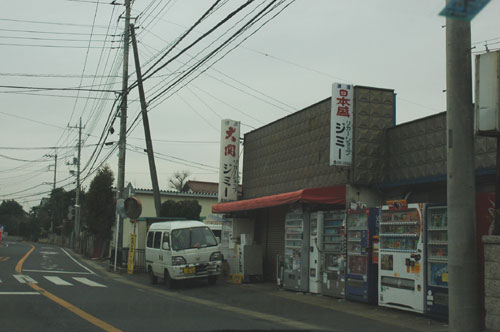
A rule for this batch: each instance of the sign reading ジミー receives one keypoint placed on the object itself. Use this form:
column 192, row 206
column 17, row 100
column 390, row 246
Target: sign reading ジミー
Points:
column 229, row 160
column 341, row 125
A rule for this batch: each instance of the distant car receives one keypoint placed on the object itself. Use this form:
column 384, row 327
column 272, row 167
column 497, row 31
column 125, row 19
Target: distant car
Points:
column 177, row 250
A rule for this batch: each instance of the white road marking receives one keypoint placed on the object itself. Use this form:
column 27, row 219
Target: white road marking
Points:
column 23, row 279
column 49, row 253
column 77, row 262
column 88, row 282
column 55, row 271
column 19, row 293
column 58, row 281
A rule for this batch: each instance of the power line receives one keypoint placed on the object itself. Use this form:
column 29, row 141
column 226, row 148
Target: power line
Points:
column 222, row 22
column 42, row 147
column 181, row 38
column 54, row 75
column 24, row 160
column 36, row 88
column 215, row 51
column 51, row 39
column 51, row 46
column 51, row 23
column 55, row 32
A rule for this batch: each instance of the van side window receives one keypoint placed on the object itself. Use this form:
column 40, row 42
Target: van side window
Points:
column 149, row 242
column 165, row 238
column 157, row 240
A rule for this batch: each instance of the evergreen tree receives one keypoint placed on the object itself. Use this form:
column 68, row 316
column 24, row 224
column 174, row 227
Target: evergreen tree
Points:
column 100, row 204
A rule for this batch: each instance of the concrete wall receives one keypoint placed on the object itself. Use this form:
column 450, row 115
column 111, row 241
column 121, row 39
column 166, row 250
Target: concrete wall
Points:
column 373, row 115
column 492, row 281
column 294, row 152
column 291, row 154
column 417, row 150
column 148, row 206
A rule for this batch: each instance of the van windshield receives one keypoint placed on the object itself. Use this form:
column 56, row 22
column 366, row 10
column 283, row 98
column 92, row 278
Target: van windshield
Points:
column 197, row 237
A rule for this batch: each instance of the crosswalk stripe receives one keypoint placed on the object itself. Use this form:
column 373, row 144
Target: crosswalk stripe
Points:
column 24, row 278
column 88, row 282
column 58, row 281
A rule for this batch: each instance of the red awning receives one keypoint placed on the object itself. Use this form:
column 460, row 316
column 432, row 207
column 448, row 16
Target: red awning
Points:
column 326, row 195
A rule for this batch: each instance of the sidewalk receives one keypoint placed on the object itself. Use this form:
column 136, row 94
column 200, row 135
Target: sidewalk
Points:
column 267, row 299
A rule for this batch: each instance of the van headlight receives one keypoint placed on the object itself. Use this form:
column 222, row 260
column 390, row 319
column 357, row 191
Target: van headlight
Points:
column 216, row 256
column 178, row 260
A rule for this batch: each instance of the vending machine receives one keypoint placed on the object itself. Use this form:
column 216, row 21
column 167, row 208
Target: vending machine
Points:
column 437, row 261
column 315, row 243
column 362, row 269
column 296, row 256
column 333, row 254
column 402, row 252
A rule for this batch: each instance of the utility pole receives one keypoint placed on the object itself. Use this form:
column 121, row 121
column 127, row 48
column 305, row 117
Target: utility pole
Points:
column 145, row 121
column 53, row 186
column 123, row 130
column 463, row 265
column 77, row 227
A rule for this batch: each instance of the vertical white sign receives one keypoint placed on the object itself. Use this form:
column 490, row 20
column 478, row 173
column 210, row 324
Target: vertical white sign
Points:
column 341, row 125
column 229, row 160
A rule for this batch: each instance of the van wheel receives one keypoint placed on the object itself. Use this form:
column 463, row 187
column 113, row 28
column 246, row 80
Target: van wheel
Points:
column 212, row 280
column 152, row 278
column 169, row 283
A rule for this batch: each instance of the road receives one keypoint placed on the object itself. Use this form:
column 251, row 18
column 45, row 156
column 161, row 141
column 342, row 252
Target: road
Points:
column 45, row 288
column 100, row 302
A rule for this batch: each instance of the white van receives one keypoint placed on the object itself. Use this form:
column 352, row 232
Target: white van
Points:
column 178, row 250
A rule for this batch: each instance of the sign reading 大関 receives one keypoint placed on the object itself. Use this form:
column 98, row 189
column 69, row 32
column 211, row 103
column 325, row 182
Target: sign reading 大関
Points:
column 229, row 160
column 341, row 125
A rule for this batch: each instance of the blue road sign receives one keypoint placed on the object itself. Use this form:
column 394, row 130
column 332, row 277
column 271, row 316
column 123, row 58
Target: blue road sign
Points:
column 463, row 9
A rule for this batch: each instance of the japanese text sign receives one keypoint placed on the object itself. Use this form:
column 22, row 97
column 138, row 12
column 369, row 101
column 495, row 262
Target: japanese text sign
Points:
column 229, row 160
column 341, row 125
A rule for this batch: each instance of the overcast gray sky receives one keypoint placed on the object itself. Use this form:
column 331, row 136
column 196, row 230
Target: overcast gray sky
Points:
column 288, row 64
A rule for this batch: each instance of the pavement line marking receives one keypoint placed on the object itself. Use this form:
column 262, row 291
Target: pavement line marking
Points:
column 19, row 293
column 58, row 281
column 19, row 265
column 88, row 282
column 77, row 311
column 56, row 271
column 24, row 279
column 77, row 262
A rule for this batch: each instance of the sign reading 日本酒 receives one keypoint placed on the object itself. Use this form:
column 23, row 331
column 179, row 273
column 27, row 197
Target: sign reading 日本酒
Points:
column 229, row 160
column 341, row 124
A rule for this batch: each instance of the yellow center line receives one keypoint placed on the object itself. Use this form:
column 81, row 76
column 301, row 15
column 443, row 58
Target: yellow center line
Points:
column 77, row 311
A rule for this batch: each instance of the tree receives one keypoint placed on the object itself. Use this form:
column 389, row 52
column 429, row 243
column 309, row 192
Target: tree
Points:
column 179, row 180
column 11, row 215
column 100, row 204
column 189, row 209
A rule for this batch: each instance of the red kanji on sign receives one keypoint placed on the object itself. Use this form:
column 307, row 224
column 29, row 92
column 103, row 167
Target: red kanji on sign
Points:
column 343, row 111
column 343, row 101
column 230, row 133
column 230, row 149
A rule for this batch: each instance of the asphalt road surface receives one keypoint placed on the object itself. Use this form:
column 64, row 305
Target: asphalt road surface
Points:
column 47, row 288
column 54, row 292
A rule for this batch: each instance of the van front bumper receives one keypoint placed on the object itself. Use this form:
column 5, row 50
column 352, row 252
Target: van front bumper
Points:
column 198, row 270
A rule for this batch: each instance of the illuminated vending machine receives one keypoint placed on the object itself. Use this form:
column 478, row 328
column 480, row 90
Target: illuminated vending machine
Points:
column 315, row 243
column 333, row 254
column 296, row 270
column 402, row 251
column 437, row 261
column 362, row 269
